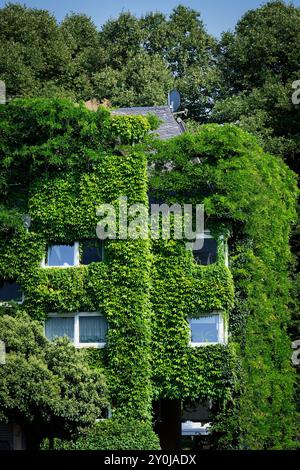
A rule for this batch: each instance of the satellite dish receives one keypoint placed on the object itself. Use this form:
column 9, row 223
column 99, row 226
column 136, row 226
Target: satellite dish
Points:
column 174, row 100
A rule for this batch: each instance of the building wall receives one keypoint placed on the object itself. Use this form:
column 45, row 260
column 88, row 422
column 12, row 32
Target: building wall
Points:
column 62, row 204
column 182, row 289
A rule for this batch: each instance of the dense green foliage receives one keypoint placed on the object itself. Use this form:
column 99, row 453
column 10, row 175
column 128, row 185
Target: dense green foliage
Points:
column 259, row 63
column 253, row 194
column 61, row 201
column 59, row 161
column 148, row 291
column 112, row 434
column 129, row 61
column 45, row 386
column 182, row 289
column 246, row 77
column 62, row 195
column 50, row 136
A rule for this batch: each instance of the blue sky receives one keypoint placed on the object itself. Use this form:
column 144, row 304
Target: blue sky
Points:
column 218, row 15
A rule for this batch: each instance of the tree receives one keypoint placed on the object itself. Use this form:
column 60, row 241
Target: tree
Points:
column 188, row 51
column 46, row 387
column 259, row 62
column 33, row 53
column 87, row 56
column 143, row 81
column 131, row 61
column 189, row 45
column 121, row 39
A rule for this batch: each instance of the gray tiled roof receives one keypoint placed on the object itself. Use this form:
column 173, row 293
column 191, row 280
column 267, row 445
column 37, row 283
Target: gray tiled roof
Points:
column 169, row 128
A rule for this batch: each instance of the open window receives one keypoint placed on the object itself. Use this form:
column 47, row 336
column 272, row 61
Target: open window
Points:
column 83, row 329
column 92, row 251
column 62, row 255
column 207, row 329
column 11, row 291
column 208, row 253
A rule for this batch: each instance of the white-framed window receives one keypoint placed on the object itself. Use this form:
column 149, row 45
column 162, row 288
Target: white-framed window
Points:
column 208, row 254
column 11, row 291
column 84, row 329
column 207, row 329
column 62, row 256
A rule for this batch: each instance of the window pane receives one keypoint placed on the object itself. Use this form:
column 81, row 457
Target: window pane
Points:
column 61, row 255
column 58, row 327
column 205, row 329
column 10, row 290
column 91, row 251
column 208, row 253
column 92, row 329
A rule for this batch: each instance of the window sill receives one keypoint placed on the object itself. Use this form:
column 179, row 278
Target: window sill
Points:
column 61, row 267
column 200, row 345
column 71, row 266
column 89, row 345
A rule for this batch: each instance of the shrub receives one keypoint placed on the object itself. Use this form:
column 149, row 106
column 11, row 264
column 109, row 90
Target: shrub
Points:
column 111, row 434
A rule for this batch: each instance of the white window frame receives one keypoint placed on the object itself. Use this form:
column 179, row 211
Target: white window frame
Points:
column 192, row 428
column 222, row 331
column 225, row 250
column 76, row 317
column 76, row 256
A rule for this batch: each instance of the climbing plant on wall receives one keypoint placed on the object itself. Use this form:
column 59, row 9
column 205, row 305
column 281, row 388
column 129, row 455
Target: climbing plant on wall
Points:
column 253, row 194
column 58, row 161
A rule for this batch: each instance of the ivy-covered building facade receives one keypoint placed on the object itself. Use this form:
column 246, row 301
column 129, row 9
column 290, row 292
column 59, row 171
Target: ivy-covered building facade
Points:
column 194, row 343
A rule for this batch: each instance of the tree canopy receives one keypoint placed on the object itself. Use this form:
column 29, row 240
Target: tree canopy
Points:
column 130, row 61
column 46, row 387
column 258, row 62
column 245, row 79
